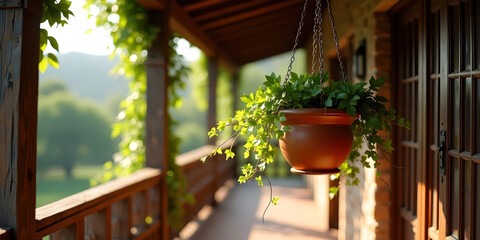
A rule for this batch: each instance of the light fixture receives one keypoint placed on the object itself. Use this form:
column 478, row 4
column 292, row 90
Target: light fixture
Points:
column 360, row 60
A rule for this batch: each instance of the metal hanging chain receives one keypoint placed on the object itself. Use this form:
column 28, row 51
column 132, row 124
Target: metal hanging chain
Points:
column 315, row 39
column 320, row 43
column 335, row 39
column 299, row 32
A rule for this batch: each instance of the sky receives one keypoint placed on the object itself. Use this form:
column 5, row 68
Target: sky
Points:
column 73, row 38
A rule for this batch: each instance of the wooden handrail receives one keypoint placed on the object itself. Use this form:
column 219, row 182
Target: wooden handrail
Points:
column 187, row 159
column 5, row 233
column 93, row 199
column 119, row 208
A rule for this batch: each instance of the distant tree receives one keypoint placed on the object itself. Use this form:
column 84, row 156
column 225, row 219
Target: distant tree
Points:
column 70, row 132
column 51, row 86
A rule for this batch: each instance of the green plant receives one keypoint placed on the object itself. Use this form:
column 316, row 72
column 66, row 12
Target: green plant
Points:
column 55, row 12
column 260, row 120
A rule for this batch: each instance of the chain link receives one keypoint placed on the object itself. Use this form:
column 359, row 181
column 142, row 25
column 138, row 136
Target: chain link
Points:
column 294, row 50
column 335, row 39
column 320, row 43
column 315, row 39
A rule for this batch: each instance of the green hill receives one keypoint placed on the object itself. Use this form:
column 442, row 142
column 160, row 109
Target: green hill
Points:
column 88, row 76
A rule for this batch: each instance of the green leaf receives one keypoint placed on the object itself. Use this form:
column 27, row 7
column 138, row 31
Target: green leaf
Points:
column 53, row 42
column 328, row 102
column 373, row 122
column 52, row 59
column 351, row 111
column 259, row 180
column 275, row 201
column 42, row 66
column 229, row 154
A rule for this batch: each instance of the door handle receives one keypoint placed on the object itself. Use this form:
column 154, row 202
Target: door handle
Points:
column 441, row 153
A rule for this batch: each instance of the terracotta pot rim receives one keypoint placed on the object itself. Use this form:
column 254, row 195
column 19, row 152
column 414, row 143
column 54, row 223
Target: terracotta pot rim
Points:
column 318, row 116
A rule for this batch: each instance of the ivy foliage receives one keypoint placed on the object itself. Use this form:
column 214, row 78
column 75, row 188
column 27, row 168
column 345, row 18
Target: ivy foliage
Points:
column 260, row 120
column 132, row 35
column 56, row 13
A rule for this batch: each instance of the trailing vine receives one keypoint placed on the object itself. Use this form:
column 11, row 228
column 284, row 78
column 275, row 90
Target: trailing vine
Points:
column 132, row 35
column 56, row 13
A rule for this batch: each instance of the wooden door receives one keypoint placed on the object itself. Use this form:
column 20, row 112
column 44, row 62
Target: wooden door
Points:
column 408, row 172
column 439, row 93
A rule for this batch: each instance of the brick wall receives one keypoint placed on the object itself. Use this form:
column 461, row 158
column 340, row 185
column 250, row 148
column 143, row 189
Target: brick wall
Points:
column 364, row 211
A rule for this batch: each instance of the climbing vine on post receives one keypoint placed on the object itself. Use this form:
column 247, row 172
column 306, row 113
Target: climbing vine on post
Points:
column 132, row 35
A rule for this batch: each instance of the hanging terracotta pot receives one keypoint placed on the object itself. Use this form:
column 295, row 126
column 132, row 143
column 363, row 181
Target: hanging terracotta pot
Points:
column 319, row 140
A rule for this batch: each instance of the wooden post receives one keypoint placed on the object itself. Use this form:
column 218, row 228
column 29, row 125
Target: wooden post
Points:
column 212, row 97
column 235, row 92
column 19, row 38
column 157, row 107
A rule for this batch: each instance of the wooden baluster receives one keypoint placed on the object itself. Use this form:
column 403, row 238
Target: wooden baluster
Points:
column 120, row 227
column 154, row 204
column 67, row 233
column 139, row 213
column 96, row 226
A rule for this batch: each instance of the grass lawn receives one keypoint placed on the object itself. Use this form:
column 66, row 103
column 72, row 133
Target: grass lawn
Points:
column 53, row 185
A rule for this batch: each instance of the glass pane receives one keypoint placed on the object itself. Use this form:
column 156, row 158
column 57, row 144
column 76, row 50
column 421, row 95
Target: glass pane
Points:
column 415, row 47
column 455, row 38
column 415, row 110
column 409, row 50
column 466, row 35
column 435, row 116
column 467, row 197
column 435, row 38
column 455, row 111
column 477, row 202
column 467, row 114
column 455, row 197
column 477, row 32
column 477, row 111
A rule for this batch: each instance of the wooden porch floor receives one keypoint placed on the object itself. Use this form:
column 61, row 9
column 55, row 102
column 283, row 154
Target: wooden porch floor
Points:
column 238, row 215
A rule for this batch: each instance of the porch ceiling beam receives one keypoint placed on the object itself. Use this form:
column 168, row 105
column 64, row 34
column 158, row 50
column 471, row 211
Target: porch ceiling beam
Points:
column 255, row 22
column 260, row 30
column 202, row 4
column 250, row 14
column 228, row 10
column 183, row 24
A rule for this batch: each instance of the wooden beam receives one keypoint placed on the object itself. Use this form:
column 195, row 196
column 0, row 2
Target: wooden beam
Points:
column 259, row 31
column 19, row 39
column 184, row 25
column 202, row 4
column 212, row 97
column 250, row 14
column 256, row 21
column 152, row 4
column 234, row 86
column 157, row 144
column 10, row 4
column 228, row 10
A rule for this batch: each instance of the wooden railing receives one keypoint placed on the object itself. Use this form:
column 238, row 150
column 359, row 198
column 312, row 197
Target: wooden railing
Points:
column 129, row 207
column 5, row 234
column 204, row 179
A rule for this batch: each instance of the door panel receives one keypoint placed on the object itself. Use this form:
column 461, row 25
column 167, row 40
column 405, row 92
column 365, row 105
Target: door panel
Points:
column 408, row 105
column 452, row 75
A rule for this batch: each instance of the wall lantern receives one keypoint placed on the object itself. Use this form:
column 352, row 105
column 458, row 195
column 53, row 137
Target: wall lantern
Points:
column 360, row 60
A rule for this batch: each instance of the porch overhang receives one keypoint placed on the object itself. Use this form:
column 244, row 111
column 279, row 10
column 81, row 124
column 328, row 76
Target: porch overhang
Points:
column 237, row 32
